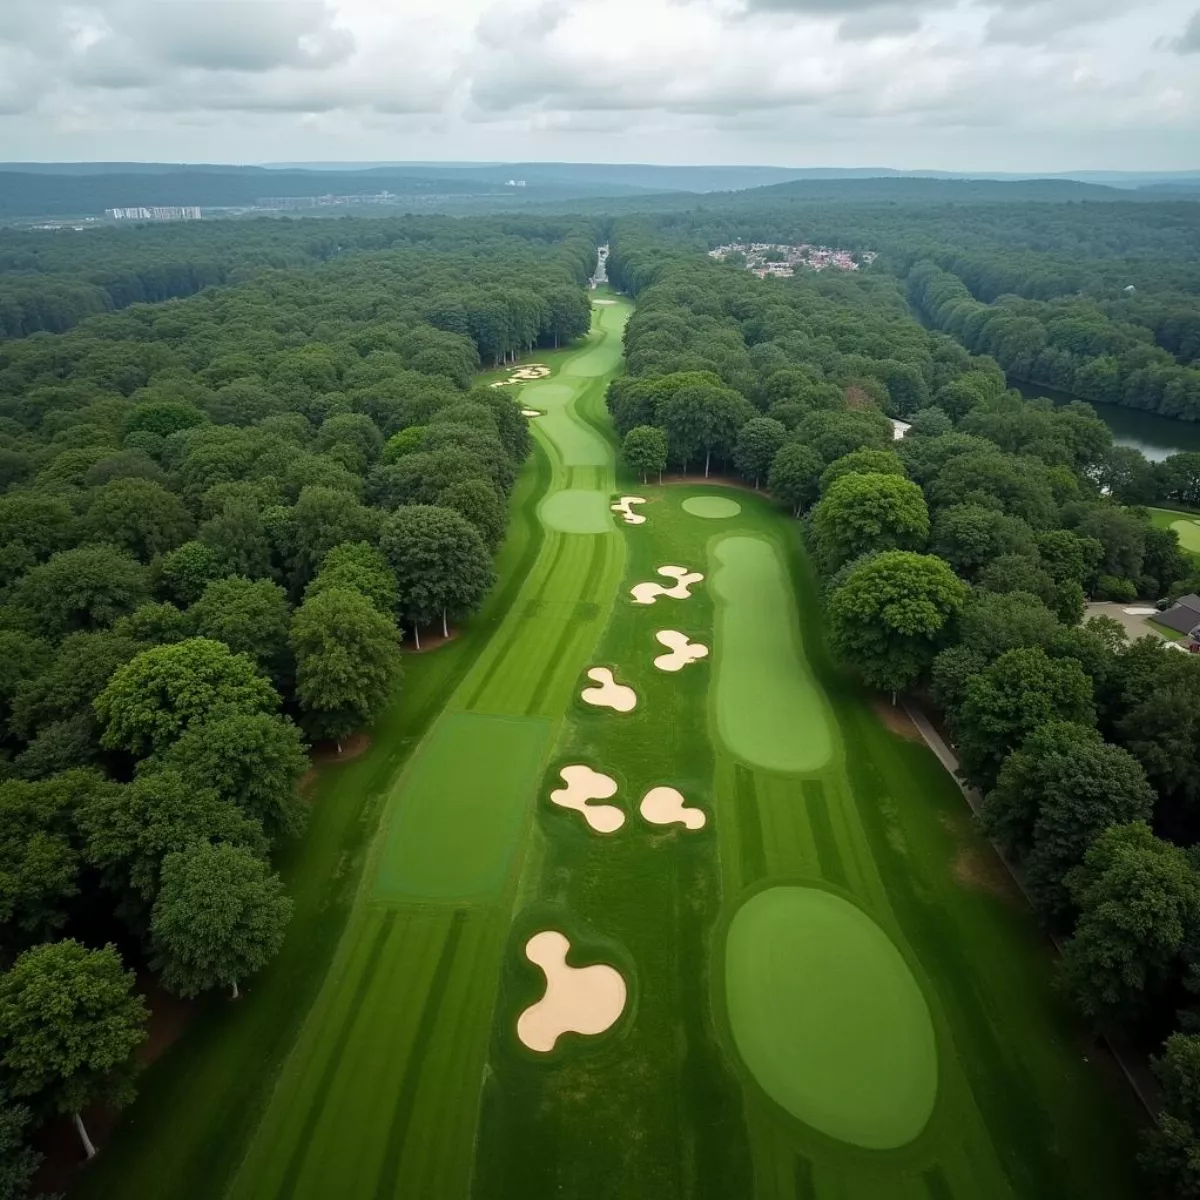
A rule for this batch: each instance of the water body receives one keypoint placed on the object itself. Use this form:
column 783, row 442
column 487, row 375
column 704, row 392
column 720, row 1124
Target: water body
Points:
column 1156, row 437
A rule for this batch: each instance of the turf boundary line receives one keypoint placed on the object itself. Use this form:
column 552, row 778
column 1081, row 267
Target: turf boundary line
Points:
column 385, row 1188
column 829, row 858
column 749, row 823
column 287, row 1185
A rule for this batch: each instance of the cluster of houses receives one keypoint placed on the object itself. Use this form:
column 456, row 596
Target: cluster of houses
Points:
column 774, row 258
column 1184, row 617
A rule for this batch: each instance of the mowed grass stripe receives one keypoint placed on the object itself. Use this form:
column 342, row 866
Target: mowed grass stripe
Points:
column 394, row 1144
column 337, row 1049
column 749, row 823
column 828, row 856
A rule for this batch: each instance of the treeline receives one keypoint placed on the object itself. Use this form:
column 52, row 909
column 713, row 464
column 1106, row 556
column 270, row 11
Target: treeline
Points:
column 52, row 280
column 219, row 518
column 1069, row 344
column 956, row 563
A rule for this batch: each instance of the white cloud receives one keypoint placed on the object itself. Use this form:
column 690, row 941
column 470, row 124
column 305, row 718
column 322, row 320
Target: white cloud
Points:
column 1013, row 84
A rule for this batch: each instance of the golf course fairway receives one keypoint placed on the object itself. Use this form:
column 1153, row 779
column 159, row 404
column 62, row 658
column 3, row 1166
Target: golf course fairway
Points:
column 828, row 988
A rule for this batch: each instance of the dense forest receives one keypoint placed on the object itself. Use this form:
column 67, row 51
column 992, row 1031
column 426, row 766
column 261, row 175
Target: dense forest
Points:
column 1096, row 300
column 221, row 516
column 955, row 563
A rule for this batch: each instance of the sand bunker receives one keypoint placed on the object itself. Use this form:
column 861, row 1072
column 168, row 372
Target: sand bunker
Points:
column 608, row 693
column 683, row 650
column 530, row 412
column 524, row 374
column 1138, row 611
column 624, row 507
column 577, row 1000
column 583, row 785
column 665, row 806
column 604, row 302
column 648, row 593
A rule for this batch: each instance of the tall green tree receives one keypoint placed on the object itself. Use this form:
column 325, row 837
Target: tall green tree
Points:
column 1138, row 900
column 220, row 916
column 347, row 661
column 252, row 617
column 644, row 449
column 795, row 474
column 864, row 514
column 1173, row 1144
column 85, row 588
column 758, row 442
column 1022, row 691
column 442, row 566
column 151, row 700
column 70, row 1022
column 889, row 617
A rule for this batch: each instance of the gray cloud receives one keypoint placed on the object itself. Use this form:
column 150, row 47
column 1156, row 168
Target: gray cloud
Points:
column 1188, row 42
column 879, row 22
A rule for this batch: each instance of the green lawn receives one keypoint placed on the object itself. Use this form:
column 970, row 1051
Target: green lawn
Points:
column 832, row 992
column 1186, row 524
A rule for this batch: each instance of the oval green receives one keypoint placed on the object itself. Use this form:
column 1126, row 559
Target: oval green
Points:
column 714, row 508
column 577, row 510
column 1189, row 535
column 828, row 1018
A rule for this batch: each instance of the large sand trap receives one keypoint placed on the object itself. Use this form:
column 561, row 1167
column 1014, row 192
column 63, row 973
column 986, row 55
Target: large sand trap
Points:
column 665, row 806
column 577, row 1000
column 584, row 784
column 604, row 302
column 609, row 693
column 530, row 412
column 524, row 374
column 683, row 650
column 626, row 510
column 648, row 593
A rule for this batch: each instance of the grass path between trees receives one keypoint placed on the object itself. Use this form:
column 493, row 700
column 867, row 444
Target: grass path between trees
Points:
column 833, row 992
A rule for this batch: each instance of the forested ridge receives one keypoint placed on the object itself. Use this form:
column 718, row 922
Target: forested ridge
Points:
column 51, row 280
column 1098, row 300
column 221, row 516
column 955, row 564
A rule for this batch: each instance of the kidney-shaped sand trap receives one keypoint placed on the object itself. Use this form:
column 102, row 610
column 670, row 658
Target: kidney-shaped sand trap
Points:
column 682, row 650
column 665, row 806
column 647, row 593
column 625, row 509
column 608, row 693
column 577, row 1000
column 584, row 785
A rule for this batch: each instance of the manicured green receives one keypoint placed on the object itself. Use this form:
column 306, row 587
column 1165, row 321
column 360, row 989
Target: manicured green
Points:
column 577, row 510
column 1185, row 523
column 461, row 809
column 767, row 707
column 1189, row 534
column 377, row 1057
column 827, row 1016
column 715, row 508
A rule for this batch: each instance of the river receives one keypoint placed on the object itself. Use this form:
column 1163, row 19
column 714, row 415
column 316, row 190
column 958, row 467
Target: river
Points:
column 1156, row 437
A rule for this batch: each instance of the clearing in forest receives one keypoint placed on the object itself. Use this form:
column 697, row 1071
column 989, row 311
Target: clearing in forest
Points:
column 712, row 944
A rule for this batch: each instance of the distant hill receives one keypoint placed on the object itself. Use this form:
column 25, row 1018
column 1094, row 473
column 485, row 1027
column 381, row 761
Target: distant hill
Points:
column 908, row 190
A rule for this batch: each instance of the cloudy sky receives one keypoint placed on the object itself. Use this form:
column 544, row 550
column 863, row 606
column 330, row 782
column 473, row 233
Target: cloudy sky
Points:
column 1026, row 85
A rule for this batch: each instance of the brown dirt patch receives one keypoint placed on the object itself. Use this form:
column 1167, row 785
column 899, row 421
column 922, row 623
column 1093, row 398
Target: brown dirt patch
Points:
column 327, row 752
column 57, row 1139
column 982, row 870
column 430, row 641
column 729, row 481
column 895, row 718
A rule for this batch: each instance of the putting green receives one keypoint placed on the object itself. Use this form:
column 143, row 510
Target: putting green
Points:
column 828, row 1017
column 1189, row 535
column 577, row 511
column 769, row 711
column 463, row 806
column 715, row 508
